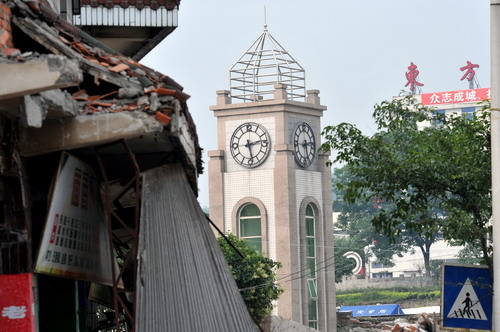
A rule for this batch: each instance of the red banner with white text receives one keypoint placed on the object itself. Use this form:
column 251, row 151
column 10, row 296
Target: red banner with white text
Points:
column 453, row 97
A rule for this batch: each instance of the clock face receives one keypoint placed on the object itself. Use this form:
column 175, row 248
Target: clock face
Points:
column 304, row 144
column 250, row 144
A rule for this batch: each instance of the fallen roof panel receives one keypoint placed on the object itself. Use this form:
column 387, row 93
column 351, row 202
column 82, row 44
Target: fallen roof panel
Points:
column 184, row 282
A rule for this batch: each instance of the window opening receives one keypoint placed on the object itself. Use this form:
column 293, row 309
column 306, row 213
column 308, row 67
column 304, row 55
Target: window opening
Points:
column 250, row 228
column 310, row 221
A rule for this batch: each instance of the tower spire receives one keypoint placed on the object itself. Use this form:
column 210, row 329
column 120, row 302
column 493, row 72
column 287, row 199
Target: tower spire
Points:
column 266, row 63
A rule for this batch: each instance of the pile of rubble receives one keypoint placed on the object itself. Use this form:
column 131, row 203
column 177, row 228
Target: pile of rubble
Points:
column 420, row 323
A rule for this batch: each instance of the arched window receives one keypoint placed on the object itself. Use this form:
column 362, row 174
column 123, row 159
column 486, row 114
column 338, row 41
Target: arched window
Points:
column 250, row 226
column 311, row 261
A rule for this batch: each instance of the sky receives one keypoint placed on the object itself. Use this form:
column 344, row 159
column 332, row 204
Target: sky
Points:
column 355, row 52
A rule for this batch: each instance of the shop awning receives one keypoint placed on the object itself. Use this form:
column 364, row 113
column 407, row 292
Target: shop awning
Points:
column 373, row 310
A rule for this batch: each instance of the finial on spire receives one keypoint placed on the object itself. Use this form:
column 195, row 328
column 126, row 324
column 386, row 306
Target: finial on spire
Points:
column 265, row 19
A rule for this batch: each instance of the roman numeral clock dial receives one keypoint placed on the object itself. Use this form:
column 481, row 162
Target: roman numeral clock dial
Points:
column 250, row 144
column 304, row 144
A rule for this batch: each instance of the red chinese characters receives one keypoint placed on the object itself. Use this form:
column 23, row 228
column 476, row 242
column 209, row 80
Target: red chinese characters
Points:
column 81, row 186
column 411, row 77
column 77, row 181
column 469, row 71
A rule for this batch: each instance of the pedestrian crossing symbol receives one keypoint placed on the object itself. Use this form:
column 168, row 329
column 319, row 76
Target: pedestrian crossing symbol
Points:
column 466, row 297
column 467, row 304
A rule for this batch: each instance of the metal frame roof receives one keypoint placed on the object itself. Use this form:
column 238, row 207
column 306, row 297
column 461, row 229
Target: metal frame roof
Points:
column 265, row 64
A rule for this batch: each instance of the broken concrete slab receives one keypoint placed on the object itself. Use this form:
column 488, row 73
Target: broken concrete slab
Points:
column 59, row 104
column 32, row 111
column 86, row 130
column 129, row 92
column 46, row 72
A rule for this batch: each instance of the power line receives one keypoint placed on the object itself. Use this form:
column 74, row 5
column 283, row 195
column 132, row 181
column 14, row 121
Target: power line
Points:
column 292, row 279
column 294, row 273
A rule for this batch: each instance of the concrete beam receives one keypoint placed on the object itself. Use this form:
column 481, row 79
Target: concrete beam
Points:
column 86, row 130
column 44, row 73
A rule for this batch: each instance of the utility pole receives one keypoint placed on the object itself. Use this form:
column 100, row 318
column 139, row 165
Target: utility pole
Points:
column 495, row 155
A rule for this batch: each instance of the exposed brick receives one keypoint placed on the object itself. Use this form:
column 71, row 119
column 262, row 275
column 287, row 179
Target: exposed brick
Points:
column 119, row 68
column 412, row 327
column 5, row 27
column 397, row 328
column 164, row 119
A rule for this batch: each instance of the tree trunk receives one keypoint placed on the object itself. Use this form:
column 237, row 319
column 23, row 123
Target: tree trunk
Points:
column 425, row 247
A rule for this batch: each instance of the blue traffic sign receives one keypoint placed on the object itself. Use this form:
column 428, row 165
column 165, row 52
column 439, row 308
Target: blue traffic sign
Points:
column 466, row 297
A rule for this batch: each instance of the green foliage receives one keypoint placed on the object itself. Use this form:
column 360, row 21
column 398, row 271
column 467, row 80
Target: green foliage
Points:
column 437, row 179
column 343, row 266
column 255, row 276
column 374, row 296
column 470, row 254
column 435, row 268
column 355, row 220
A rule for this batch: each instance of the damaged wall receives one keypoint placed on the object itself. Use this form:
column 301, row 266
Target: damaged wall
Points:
column 67, row 91
column 15, row 212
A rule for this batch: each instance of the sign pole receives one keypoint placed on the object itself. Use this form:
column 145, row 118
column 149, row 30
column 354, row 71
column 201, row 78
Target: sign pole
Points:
column 495, row 155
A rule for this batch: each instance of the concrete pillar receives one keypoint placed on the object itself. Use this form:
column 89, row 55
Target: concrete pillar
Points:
column 216, row 170
column 223, row 97
column 313, row 97
column 326, row 175
column 286, row 231
column 280, row 91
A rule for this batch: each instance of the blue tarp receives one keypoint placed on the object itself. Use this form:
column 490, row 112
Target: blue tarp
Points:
column 373, row 310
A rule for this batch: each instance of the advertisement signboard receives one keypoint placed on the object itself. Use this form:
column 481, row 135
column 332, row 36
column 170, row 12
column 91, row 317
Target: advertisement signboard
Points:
column 75, row 241
column 454, row 97
column 17, row 303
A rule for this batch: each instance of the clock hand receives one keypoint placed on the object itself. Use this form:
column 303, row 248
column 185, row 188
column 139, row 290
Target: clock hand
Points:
column 305, row 145
column 249, row 146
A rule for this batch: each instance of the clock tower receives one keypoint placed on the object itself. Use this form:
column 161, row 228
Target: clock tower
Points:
column 268, row 182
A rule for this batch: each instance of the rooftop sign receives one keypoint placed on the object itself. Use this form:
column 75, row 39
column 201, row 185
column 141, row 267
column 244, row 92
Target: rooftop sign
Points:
column 470, row 73
column 453, row 97
column 411, row 77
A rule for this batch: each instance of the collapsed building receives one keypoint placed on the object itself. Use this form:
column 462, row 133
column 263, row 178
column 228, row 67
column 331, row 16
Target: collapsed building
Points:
column 99, row 160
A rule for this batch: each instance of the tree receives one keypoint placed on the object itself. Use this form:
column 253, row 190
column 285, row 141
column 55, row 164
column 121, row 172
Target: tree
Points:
column 255, row 276
column 437, row 178
column 355, row 220
column 470, row 254
column 343, row 265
